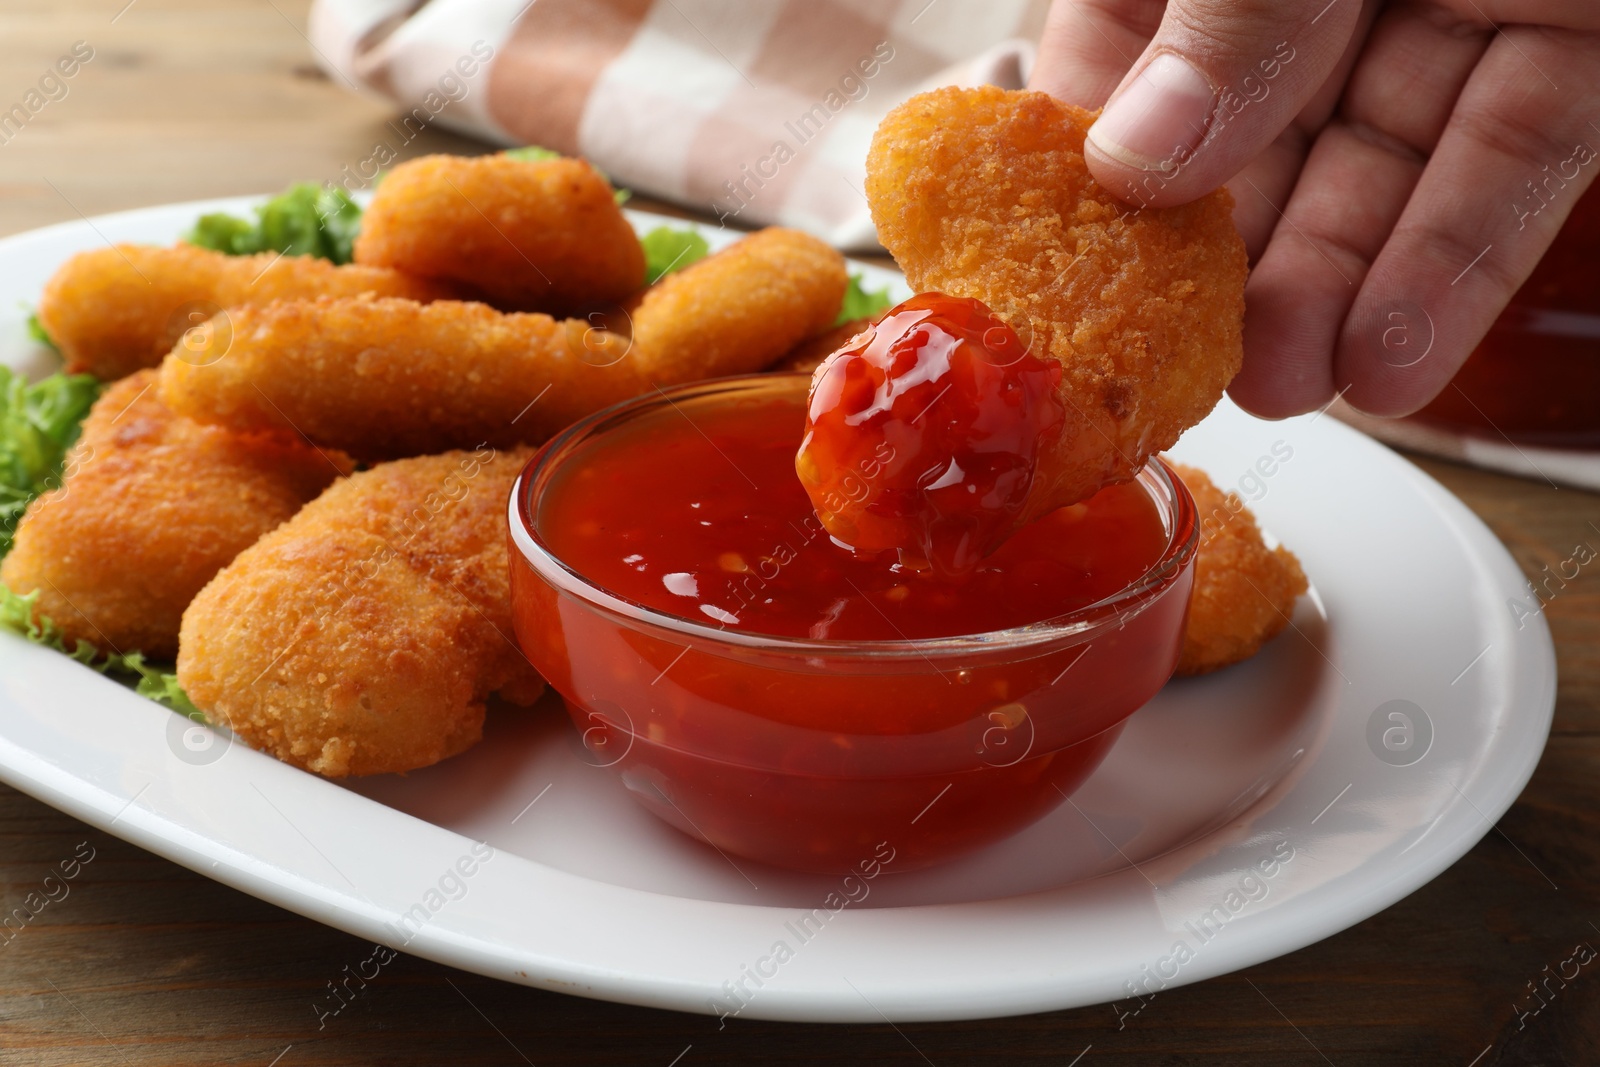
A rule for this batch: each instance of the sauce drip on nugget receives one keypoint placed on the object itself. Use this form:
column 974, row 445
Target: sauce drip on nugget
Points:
column 923, row 433
column 983, row 194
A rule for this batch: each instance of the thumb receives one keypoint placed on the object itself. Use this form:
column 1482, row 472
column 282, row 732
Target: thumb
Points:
column 1218, row 83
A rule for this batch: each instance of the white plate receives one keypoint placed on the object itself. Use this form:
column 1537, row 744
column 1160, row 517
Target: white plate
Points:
column 587, row 894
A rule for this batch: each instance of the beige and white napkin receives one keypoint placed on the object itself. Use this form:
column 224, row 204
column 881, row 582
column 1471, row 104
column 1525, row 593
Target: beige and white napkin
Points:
column 757, row 111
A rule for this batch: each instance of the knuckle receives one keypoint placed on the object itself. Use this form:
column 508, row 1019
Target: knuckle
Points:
column 1139, row 18
column 1448, row 243
column 1501, row 129
column 1233, row 29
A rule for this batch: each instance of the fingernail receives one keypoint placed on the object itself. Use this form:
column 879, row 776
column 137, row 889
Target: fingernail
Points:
column 1159, row 118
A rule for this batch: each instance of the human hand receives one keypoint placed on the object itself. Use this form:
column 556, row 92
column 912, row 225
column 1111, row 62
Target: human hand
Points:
column 1398, row 166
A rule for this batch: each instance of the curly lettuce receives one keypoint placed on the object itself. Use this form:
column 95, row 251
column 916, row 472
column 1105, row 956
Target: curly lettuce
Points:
column 860, row 302
column 17, row 614
column 38, row 423
column 531, row 153
column 306, row 220
column 668, row 249
column 37, row 331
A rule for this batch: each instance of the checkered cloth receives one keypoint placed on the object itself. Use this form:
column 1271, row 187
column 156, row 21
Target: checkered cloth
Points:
column 757, row 111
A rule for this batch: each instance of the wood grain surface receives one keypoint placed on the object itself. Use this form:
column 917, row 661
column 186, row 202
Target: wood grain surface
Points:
column 144, row 962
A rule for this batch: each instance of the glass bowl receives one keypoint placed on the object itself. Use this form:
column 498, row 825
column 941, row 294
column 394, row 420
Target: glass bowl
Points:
column 827, row 755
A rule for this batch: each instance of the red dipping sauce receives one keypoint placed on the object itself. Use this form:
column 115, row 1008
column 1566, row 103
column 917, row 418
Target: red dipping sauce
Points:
column 923, row 433
column 708, row 522
column 762, row 688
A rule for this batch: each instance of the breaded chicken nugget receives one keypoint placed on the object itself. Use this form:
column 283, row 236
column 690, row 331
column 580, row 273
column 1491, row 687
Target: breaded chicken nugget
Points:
column 737, row 311
column 393, row 378
column 364, row 635
column 984, row 193
column 1244, row 592
column 152, row 506
column 115, row 310
column 543, row 235
column 808, row 355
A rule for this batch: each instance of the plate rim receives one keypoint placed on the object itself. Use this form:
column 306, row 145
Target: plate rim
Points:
column 56, row 784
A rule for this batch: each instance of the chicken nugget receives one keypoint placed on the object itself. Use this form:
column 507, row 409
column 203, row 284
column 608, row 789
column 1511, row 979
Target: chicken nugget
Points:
column 529, row 235
column 808, row 355
column 115, row 310
column 365, row 635
column 392, row 378
column 1244, row 592
column 152, row 506
column 984, row 193
column 737, row 311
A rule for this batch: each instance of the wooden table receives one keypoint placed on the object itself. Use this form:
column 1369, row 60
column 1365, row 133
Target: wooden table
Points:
column 147, row 963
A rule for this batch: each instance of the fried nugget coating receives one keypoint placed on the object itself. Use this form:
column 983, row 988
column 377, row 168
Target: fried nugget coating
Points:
column 737, row 311
column 543, row 235
column 393, row 378
column 151, row 508
column 364, row 635
column 984, row 193
column 808, row 355
column 1244, row 592
column 116, row 310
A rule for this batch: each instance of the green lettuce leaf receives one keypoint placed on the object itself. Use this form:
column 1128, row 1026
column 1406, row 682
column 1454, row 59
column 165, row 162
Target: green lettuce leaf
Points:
column 37, row 332
column 17, row 615
column 307, row 220
column 531, row 153
column 667, row 249
column 861, row 303
column 38, row 423
column 225, row 233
